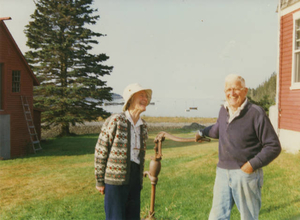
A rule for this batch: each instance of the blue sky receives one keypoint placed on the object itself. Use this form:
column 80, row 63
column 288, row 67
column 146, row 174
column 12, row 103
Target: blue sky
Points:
column 181, row 49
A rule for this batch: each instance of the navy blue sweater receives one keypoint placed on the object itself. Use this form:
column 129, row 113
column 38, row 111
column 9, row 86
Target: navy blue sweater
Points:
column 249, row 137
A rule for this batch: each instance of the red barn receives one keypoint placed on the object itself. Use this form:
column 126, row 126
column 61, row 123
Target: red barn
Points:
column 286, row 114
column 16, row 81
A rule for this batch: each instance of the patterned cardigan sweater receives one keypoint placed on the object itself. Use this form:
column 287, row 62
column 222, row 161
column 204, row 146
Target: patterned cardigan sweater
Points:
column 112, row 151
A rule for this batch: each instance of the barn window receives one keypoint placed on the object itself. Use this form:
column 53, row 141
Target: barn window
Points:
column 296, row 53
column 16, row 79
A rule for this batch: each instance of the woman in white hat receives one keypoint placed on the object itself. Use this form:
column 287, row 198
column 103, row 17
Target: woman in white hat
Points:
column 120, row 156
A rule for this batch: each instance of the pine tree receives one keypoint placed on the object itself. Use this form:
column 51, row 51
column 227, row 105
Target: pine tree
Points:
column 265, row 94
column 71, row 90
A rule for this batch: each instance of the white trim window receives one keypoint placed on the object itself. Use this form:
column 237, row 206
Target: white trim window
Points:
column 296, row 52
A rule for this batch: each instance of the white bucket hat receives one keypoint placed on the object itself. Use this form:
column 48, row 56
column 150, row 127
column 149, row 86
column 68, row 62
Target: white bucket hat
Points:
column 130, row 90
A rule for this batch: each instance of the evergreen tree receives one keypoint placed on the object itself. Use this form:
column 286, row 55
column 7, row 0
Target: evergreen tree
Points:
column 267, row 88
column 265, row 103
column 71, row 90
column 264, row 95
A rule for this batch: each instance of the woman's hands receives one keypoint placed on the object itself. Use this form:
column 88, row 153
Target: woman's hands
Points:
column 101, row 189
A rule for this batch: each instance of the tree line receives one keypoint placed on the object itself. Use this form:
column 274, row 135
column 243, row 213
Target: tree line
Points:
column 265, row 94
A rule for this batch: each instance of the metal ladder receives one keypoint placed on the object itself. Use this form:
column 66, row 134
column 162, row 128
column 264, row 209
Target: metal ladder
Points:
column 30, row 125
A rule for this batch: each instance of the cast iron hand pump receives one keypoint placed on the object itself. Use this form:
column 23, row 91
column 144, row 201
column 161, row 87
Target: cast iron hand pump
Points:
column 155, row 164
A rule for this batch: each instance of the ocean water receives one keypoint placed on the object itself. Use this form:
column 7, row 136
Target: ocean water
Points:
column 171, row 107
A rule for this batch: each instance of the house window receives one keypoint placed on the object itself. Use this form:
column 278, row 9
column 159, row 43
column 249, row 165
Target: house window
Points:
column 1, row 86
column 296, row 53
column 16, row 79
column 297, row 68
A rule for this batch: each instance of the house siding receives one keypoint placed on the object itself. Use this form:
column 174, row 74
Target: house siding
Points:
column 289, row 100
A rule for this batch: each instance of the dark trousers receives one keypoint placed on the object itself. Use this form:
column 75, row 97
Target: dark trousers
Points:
column 123, row 202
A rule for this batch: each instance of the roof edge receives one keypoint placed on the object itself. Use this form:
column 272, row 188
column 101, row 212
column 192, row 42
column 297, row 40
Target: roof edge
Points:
column 35, row 80
column 5, row 18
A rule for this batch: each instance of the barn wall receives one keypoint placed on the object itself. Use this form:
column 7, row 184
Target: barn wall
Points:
column 12, row 60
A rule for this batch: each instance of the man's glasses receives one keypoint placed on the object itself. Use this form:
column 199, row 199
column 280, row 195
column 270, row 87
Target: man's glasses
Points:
column 229, row 90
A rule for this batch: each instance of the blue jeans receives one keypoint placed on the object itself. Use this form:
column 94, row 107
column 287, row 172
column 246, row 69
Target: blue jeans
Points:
column 237, row 187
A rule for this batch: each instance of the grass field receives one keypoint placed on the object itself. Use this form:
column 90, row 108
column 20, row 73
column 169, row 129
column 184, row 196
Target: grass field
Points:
column 58, row 182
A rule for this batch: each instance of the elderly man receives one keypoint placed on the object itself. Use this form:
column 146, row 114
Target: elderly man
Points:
column 247, row 142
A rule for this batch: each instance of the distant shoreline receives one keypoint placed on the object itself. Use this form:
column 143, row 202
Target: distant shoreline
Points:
column 154, row 123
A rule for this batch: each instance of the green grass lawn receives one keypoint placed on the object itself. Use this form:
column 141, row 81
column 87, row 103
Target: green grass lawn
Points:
column 58, row 182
